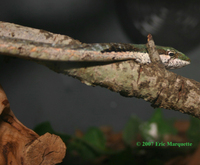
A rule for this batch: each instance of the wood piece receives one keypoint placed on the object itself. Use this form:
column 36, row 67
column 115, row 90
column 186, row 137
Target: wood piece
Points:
column 20, row 145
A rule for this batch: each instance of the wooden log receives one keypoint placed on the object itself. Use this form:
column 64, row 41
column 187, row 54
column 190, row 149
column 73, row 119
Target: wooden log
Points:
column 20, row 145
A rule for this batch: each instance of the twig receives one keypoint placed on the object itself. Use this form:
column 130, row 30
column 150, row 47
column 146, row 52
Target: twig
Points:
column 153, row 53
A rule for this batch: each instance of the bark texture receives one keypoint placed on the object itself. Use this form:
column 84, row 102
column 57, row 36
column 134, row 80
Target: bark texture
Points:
column 151, row 82
column 22, row 146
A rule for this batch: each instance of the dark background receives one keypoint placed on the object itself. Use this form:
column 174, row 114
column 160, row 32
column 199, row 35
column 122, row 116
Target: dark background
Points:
column 37, row 94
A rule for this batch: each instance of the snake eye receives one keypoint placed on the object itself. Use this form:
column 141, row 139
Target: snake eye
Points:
column 170, row 53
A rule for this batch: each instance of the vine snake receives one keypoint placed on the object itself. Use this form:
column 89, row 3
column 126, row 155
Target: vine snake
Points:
column 170, row 57
column 97, row 52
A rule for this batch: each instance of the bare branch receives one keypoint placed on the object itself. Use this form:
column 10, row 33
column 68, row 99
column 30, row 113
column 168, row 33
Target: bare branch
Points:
column 151, row 82
column 38, row 35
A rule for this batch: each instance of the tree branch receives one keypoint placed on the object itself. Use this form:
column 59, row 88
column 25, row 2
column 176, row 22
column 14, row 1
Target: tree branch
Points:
column 151, row 82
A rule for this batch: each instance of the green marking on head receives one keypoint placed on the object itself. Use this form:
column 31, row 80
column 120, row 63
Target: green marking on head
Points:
column 172, row 52
column 163, row 50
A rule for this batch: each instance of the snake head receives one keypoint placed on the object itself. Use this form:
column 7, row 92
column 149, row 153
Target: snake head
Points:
column 172, row 58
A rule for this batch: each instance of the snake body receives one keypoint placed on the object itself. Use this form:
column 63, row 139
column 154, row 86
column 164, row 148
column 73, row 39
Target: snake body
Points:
column 96, row 52
column 171, row 58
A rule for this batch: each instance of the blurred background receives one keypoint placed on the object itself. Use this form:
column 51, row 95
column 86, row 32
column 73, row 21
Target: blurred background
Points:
column 37, row 94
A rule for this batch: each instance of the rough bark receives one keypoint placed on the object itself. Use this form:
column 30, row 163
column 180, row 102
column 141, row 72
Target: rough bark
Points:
column 131, row 79
column 22, row 146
